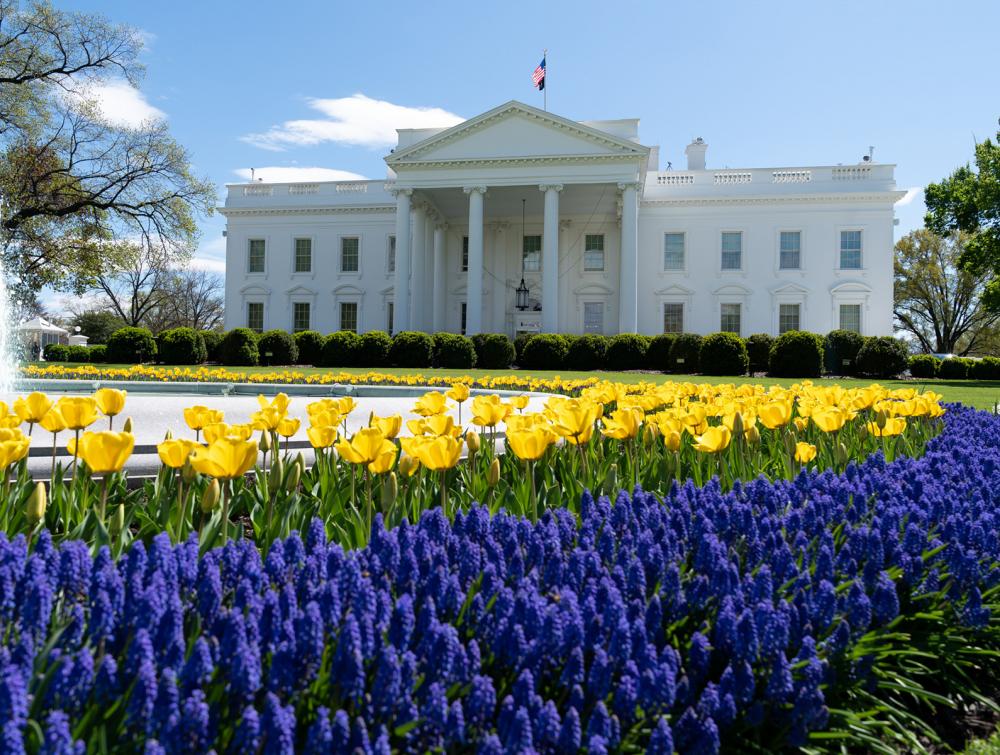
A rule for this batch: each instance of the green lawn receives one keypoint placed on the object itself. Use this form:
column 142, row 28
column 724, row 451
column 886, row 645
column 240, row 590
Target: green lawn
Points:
column 981, row 394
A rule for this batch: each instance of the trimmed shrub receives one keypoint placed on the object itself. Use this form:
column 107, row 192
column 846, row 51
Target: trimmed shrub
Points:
column 954, row 368
column 239, row 348
column 924, row 366
column 277, row 347
column 454, row 351
column 131, row 346
column 685, row 352
column 724, row 354
column 587, row 352
column 181, row 346
column 411, row 349
column 658, row 352
column 796, row 353
column 759, row 351
column 494, row 351
column 213, row 340
column 373, row 349
column 882, row 357
column 98, row 353
column 310, row 346
column 340, row 349
column 519, row 343
column 627, row 351
column 987, row 368
column 77, row 353
column 56, row 352
column 840, row 351
column 545, row 351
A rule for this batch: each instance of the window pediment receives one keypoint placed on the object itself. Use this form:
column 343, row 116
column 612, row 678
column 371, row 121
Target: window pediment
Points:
column 255, row 289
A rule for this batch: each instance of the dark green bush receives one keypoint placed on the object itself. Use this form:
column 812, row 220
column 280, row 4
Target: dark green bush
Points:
column 494, row 351
column 411, row 349
column 77, row 353
column 310, row 346
column 545, row 351
column 98, row 353
column 213, row 340
column 587, row 352
column 924, row 366
column 882, row 357
column 987, row 368
column 181, row 346
column 627, row 351
column 340, row 349
column 519, row 343
column 239, row 348
column 724, row 354
column 954, row 368
column 658, row 353
column 56, row 352
column 684, row 353
column 796, row 353
column 131, row 346
column 840, row 351
column 759, row 351
column 454, row 351
column 374, row 348
column 277, row 347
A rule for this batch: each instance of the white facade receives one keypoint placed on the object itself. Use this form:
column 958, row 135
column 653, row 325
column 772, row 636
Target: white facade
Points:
column 604, row 241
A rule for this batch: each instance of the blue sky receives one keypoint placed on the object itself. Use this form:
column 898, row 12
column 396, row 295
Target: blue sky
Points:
column 301, row 85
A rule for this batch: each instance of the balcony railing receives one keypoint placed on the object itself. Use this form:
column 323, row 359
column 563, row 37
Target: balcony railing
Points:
column 303, row 188
column 257, row 191
column 674, row 179
column 852, row 173
column 791, row 176
column 740, row 177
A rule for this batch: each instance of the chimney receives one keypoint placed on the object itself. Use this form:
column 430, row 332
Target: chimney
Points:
column 695, row 152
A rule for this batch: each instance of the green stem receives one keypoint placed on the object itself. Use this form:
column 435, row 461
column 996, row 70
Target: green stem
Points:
column 104, row 497
column 225, row 511
column 444, row 492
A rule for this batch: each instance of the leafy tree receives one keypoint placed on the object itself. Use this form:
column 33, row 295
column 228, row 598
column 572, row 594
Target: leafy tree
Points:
column 97, row 324
column 937, row 300
column 969, row 201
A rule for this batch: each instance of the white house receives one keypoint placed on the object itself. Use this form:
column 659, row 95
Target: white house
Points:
column 603, row 240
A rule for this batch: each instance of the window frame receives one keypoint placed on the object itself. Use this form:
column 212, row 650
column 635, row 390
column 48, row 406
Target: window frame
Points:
column 840, row 316
column 683, row 266
column 723, row 315
column 463, row 256
column 463, row 317
column 590, row 303
column 588, row 250
column 798, row 316
column 781, row 235
column 860, row 250
column 295, row 255
column 524, row 240
column 390, row 254
column 357, row 239
column 663, row 313
column 390, row 316
column 295, row 316
column 263, row 312
column 249, row 257
column 723, row 252
column 340, row 314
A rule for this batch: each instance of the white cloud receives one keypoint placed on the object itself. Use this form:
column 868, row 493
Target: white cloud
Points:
column 211, row 256
column 293, row 174
column 356, row 120
column 209, row 264
column 120, row 103
column 913, row 194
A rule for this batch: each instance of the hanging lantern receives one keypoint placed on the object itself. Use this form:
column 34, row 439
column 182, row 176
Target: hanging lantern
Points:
column 522, row 296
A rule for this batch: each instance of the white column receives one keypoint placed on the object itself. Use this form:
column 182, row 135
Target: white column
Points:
column 550, row 259
column 474, row 287
column 401, row 286
column 628, row 283
column 427, row 279
column 418, row 293
column 439, row 277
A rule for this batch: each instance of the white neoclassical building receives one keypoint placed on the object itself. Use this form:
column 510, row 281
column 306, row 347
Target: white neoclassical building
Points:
column 573, row 221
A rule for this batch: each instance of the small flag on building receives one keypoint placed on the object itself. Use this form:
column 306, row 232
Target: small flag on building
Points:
column 538, row 77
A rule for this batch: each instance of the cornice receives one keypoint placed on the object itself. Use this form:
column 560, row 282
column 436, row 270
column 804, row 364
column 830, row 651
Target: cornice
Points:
column 492, row 162
column 881, row 198
column 345, row 210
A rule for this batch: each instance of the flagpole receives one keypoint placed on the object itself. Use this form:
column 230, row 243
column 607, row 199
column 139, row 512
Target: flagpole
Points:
column 545, row 91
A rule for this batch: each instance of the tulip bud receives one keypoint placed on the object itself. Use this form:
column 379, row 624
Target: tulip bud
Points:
column 612, row 479
column 841, row 452
column 292, row 481
column 790, row 444
column 753, row 435
column 390, row 489
column 672, row 441
column 649, row 435
column 127, row 427
column 210, row 498
column 277, row 472
column 408, row 465
column 300, row 462
column 473, row 441
column 265, row 441
column 493, row 476
column 880, row 419
column 118, row 520
column 169, row 434
column 37, row 502
column 188, row 474
column 737, row 424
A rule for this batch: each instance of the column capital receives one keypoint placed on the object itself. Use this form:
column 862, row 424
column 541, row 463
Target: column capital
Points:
column 547, row 187
column 623, row 185
column 500, row 226
column 441, row 225
column 405, row 192
column 474, row 189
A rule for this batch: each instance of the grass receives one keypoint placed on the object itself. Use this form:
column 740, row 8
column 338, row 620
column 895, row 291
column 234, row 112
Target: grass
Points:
column 981, row 394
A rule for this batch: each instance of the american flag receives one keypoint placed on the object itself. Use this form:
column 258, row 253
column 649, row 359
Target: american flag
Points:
column 538, row 77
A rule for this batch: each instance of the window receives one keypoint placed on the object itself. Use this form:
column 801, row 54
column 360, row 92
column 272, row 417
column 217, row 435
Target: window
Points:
column 593, row 253
column 729, row 322
column 255, row 316
column 349, row 259
column 788, row 317
column 673, row 251
column 790, row 250
column 850, row 317
column 349, row 315
column 850, row 250
column 255, row 258
column 732, row 250
column 673, row 317
column 593, row 317
column 464, row 313
column 465, row 254
column 390, row 264
column 390, row 315
column 531, row 254
column 303, row 255
column 300, row 316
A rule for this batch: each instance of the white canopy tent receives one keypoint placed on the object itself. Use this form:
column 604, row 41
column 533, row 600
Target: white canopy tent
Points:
column 37, row 333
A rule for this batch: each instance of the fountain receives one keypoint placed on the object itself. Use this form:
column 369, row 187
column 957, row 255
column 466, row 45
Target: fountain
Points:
column 8, row 351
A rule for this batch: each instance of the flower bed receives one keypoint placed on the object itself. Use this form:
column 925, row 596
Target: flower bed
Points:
column 853, row 609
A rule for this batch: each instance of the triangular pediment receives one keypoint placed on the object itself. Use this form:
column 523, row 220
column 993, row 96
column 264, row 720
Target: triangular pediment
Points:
column 516, row 131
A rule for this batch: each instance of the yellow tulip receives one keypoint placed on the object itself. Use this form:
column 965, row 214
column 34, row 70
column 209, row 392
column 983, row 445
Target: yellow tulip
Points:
column 713, row 440
column 440, row 424
column 279, row 403
column 198, row 416
column 289, row 426
column 33, row 407
column 519, row 402
column 13, row 450
column 390, row 426
column 775, row 414
column 801, row 423
column 623, row 424
column 575, row 419
column 325, row 419
column 225, row 458
column 346, row 405
column 384, row 461
column 267, row 418
column 830, row 420
column 323, row 436
column 437, row 454
column 459, row 392
column 53, row 421
column 174, row 453
column 409, row 465
column 473, row 441
column 110, row 401
column 365, row 446
column 893, row 426
column 105, row 452
column 804, row 452
column 78, row 412
column 530, row 445
column 672, row 440
column 488, row 411
column 430, row 404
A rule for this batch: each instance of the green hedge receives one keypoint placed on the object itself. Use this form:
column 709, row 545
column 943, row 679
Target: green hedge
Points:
column 56, row 352
column 494, row 351
column 588, row 352
column 239, row 348
column 796, row 353
column 310, row 346
column 341, row 349
column 213, row 340
column 411, row 348
column 181, row 346
column 882, row 357
column 373, row 349
column 131, row 346
column 98, row 353
column 759, row 352
column 724, row 354
column 987, row 368
column 954, row 368
column 924, row 366
column 545, row 351
column 658, row 352
column 685, row 353
column 627, row 351
column 77, row 353
column 453, row 351
column 840, row 351
column 277, row 348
